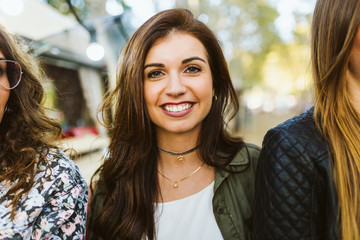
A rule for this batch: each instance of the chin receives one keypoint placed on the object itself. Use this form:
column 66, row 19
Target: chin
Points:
column 183, row 129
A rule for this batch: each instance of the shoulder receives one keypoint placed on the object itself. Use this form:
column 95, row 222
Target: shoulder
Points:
column 56, row 201
column 60, row 164
column 66, row 195
column 248, row 155
column 297, row 135
column 241, row 170
column 234, row 191
column 59, row 175
column 303, row 123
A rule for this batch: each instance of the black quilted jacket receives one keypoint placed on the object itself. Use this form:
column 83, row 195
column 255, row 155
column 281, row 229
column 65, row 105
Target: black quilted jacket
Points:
column 295, row 197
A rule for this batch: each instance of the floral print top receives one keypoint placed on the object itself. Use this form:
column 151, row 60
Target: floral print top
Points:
column 55, row 208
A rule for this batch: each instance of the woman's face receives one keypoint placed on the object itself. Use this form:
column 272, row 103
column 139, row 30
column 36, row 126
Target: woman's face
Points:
column 354, row 72
column 178, row 86
column 4, row 93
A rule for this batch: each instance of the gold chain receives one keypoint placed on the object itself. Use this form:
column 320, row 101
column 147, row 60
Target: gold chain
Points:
column 182, row 179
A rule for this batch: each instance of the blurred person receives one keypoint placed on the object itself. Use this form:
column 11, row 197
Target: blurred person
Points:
column 172, row 170
column 308, row 177
column 42, row 193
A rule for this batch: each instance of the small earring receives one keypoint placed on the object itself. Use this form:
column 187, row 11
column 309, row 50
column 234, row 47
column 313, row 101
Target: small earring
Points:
column 215, row 98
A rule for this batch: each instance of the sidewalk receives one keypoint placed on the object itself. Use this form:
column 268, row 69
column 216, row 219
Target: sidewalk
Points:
column 89, row 163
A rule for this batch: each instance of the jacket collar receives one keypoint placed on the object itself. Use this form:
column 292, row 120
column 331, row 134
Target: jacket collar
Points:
column 240, row 162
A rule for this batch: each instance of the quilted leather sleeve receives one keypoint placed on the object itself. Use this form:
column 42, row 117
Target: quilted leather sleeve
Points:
column 285, row 184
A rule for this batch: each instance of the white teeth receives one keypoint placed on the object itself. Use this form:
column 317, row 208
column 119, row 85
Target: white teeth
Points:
column 177, row 108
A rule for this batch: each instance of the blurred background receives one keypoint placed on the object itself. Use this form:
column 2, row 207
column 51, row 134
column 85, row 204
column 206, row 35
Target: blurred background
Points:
column 266, row 44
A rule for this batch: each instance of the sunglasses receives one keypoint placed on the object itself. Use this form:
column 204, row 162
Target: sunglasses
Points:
column 10, row 74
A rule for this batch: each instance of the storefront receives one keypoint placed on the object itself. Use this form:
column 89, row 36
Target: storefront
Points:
column 77, row 84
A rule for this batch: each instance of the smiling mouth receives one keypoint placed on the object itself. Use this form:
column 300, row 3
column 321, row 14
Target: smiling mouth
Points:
column 177, row 108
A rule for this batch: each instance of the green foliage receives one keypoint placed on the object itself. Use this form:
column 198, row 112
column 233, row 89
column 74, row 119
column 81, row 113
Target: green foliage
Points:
column 82, row 7
column 247, row 30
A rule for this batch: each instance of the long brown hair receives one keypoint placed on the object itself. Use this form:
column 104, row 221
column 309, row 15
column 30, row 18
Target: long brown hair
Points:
column 334, row 27
column 26, row 133
column 129, row 172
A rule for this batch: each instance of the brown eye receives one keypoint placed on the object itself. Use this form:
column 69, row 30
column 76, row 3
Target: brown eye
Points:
column 155, row 74
column 193, row 69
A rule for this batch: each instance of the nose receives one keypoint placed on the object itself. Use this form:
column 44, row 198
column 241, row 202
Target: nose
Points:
column 175, row 86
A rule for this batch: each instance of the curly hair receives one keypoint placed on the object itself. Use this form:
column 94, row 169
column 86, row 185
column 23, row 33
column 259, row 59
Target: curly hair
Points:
column 26, row 133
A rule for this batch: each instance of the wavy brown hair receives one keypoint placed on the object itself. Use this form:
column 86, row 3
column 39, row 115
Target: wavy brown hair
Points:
column 334, row 27
column 129, row 172
column 26, row 133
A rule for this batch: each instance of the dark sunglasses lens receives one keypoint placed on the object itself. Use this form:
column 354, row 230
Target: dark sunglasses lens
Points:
column 13, row 71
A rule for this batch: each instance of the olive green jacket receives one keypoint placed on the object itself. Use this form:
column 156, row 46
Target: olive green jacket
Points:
column 233, row 196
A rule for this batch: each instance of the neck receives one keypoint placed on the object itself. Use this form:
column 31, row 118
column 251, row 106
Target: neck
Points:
column 177, row 142
column 179, row 153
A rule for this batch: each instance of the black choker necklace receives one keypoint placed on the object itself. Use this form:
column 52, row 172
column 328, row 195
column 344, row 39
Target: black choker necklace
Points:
column 180, row 156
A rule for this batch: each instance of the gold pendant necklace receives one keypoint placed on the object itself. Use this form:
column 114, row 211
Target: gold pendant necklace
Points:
column 182, row 179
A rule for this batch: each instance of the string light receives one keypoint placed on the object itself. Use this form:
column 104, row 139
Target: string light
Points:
column 12, row 7
column 95, row 51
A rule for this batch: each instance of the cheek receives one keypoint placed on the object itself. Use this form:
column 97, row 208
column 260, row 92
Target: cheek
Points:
column 151, row 94
column 357, row 40
column 354, row 64
column 356, row 48
column 206, row 90
column 4, row 97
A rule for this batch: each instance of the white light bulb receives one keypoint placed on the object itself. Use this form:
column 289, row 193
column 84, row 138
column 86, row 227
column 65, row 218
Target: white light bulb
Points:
column 12, row 7
column 95, row 51
column 113, row 8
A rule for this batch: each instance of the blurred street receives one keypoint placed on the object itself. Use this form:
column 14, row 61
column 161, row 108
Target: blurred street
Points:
column 89, row 151
column 89, row 163
column 255, row 130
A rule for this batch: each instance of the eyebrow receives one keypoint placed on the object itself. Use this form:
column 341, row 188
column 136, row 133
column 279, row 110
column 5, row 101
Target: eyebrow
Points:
column 154, row 65
column 192, row 59
column 183, row 62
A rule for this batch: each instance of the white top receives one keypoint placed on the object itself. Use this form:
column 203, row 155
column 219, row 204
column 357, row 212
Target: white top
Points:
column 189, row 218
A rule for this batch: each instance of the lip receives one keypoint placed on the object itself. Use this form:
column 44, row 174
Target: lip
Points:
column 180, row 105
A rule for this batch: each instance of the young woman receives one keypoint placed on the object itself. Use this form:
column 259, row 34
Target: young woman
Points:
column 172, row 170
column 42, row 193
column 308, row 179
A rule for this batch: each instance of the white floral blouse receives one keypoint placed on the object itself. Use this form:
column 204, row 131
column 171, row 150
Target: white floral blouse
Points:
column 55, row 208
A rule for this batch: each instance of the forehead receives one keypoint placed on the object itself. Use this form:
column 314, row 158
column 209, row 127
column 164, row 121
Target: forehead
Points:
column 1, row 55
column 177, row 44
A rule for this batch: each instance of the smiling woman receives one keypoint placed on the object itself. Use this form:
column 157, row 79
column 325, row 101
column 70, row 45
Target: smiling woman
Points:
column 170, row 153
